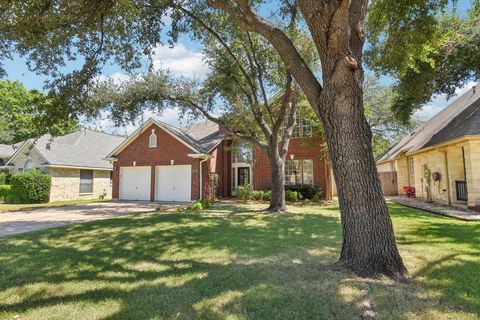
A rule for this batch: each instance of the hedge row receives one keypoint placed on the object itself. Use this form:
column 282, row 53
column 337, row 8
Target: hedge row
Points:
column 30, row 187
column 292, row 193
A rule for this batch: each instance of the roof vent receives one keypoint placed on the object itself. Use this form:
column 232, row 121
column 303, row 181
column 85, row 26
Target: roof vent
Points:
column 474, row 89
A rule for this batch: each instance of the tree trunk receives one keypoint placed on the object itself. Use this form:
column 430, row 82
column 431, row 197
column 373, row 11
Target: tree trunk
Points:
column 369, row 247
column 277, row 167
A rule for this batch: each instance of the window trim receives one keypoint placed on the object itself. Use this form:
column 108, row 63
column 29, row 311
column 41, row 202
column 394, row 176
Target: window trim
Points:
column 302, row 174
column 80, row 182
column 152, row 140
column 29, row 161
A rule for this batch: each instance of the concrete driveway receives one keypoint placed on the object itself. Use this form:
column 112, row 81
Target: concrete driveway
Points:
column 43, row 218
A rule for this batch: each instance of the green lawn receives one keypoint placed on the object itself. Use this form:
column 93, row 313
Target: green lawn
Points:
column 5, row 207
column 233, row 262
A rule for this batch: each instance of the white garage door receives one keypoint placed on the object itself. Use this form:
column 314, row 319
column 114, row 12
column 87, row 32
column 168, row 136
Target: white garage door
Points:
column 174, row 183
column 135, row 183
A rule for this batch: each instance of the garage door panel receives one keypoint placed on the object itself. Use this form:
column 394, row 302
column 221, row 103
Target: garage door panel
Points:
column 135, row 183
column 173, row 183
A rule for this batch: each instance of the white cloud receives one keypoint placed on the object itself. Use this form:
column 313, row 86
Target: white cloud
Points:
column 116, row 77
column 104, row 123
column 181, row 61
column 439, row 102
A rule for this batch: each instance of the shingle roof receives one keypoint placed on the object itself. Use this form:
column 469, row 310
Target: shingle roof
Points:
column 84, row 148
column 200, row 137
column 460, row 118
column 6, row 150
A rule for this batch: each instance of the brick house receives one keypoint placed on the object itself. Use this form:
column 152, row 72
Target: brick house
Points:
column 441, row 158
column 160, row 162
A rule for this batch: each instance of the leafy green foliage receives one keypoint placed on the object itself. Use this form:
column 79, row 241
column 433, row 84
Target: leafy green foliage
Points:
column 3, row 178
column 206, row 203
column 428, row 48
column 31, row 187
column 258, row 195
column 387, row 128
column 5, row 193
column 196, row 206
column 27, row 114
column 244, row 192
column 306, row 191
column 293, row 196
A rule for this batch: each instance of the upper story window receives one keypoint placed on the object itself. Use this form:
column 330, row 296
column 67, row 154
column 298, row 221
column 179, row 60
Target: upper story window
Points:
column 28, row 166
column 152, row 140
column 302, row 129
column 242, row 153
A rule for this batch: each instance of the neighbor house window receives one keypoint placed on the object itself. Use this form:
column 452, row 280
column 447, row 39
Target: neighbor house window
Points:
column 299, row 172
column 28, row 166
column 411, row 171
column 152, row 140
column 86, row 181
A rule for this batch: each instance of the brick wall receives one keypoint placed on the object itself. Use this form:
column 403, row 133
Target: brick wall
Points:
column 301, row 148
column 221, row 164
column 168, row 148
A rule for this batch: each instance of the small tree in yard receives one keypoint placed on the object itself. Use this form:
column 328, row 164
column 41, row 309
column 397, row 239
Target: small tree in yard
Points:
column 125, row 31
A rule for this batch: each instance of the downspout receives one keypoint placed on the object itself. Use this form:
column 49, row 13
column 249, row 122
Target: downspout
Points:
column 447, row 176
column 201, row 177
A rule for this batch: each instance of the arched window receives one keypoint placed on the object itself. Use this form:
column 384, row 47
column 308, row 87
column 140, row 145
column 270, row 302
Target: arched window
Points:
column 28, row 166
column 152, row 141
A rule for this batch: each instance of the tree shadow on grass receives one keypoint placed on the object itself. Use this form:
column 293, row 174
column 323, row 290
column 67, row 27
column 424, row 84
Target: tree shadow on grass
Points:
column 179, row 266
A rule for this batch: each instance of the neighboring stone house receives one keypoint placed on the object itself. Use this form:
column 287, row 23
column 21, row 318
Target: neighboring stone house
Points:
column 160, row 162
column 441, row 159
column 75, row 162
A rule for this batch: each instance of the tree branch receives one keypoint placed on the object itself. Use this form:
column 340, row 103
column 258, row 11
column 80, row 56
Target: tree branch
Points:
column 243, row 14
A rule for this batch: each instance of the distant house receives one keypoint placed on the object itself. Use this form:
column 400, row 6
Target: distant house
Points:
column 75, row 162
column 441, row 159
column 160, row 162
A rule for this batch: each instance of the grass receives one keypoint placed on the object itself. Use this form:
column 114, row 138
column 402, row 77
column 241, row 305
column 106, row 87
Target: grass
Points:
column 6, row 207
column 233, row 262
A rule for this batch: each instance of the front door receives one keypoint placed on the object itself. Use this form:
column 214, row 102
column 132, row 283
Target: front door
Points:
column 243, row 176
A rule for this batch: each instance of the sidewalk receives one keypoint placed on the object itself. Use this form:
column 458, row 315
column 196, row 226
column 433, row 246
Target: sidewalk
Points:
column 436, row 208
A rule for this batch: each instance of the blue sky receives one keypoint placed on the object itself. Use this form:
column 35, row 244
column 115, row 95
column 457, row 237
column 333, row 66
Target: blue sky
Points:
column 183, row 60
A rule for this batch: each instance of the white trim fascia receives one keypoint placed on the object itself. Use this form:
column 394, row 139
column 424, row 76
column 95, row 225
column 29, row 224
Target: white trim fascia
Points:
column 141, row 129
column 200, row 155
column 74, row 167
column 21, row 148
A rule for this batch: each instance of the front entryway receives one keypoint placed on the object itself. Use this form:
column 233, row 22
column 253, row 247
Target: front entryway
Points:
column 241, row 175
column 173, row 183
column 135, row 183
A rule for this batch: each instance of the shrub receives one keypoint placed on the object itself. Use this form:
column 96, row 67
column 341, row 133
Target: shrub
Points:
column 6, row 193
column 206, row 204
column 258, row 195
column 308, row 191
column 293, row 196
column 196, row 206
column 31, row 187
column 267, row 195
column 3, row 178
column 316, row 198
column 244, row 192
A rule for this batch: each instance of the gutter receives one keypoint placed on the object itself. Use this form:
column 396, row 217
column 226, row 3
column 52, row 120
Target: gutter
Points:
column 203, row 157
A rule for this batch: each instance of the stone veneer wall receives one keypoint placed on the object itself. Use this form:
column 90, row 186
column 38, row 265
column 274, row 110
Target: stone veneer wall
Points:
column 66, row 184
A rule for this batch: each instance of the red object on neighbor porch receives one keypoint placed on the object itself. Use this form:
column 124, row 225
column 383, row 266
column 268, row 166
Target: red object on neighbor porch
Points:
column 409, row 191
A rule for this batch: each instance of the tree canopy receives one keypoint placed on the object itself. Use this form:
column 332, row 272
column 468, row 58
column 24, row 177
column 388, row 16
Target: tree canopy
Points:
column 27, row 114
column 428, row 47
